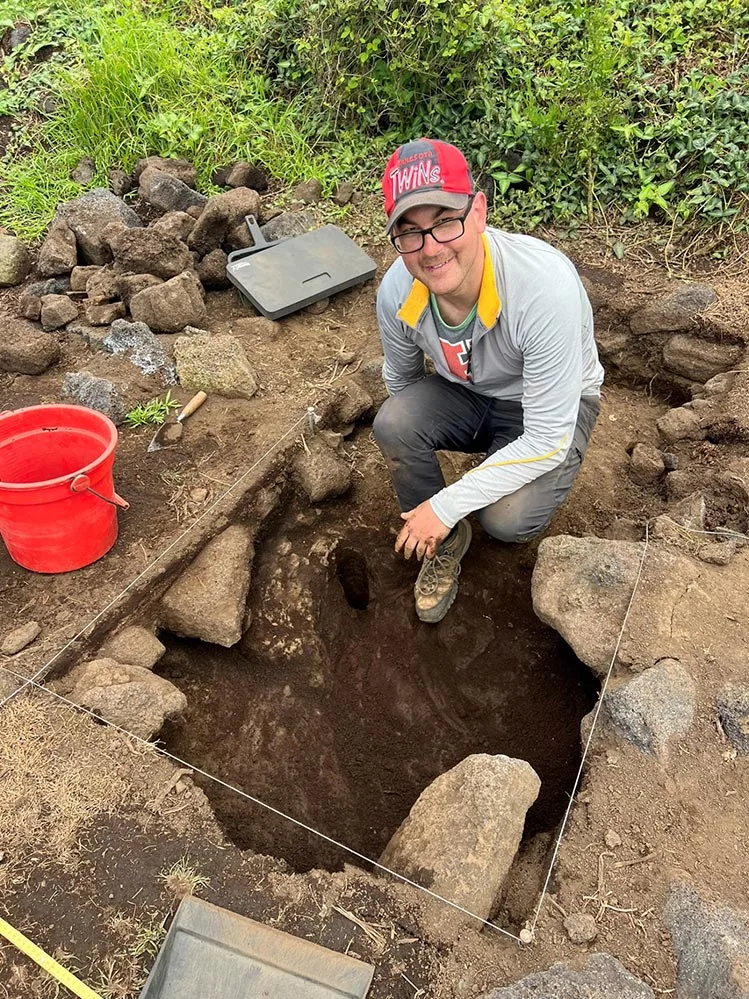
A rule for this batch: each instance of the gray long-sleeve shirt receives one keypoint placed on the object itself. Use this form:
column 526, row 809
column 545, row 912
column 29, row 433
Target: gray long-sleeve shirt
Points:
column 532, row 342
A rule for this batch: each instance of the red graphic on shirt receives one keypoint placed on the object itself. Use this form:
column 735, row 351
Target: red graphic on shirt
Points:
column 458, row 357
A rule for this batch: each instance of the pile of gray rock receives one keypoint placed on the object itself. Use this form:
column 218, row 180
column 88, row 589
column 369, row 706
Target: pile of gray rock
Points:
column 666, row 333
column 99, row 262
column 119, row 278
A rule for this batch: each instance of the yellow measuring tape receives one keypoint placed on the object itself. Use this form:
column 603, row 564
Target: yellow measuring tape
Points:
column 62, row 975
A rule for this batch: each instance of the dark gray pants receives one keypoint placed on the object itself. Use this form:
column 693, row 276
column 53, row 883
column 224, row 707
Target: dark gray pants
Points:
column 439, row 415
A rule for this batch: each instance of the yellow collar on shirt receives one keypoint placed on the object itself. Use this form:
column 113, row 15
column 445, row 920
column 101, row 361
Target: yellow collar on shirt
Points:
column 489, row 305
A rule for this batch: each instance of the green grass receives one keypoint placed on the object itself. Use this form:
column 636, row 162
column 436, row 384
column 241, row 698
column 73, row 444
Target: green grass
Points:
column 143, row 85
column 578, row 109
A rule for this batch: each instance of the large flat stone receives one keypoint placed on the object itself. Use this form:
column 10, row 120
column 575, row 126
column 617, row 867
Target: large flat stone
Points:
column 461, row 837
column 698, row 359
column 601, row 977
column 129, row 696
column 582, row 588
column 216, row 364
column 653, row 708
column 712, row 946
column 675, row 311
column 208, row 600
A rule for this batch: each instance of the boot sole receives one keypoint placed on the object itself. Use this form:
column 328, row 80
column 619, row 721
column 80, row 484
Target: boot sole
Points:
column 436, row 614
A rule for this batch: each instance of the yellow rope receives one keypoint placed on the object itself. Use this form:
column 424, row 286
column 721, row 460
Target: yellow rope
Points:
column 62, row 975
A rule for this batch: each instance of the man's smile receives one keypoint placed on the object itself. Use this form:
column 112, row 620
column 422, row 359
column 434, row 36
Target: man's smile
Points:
column 434, row 268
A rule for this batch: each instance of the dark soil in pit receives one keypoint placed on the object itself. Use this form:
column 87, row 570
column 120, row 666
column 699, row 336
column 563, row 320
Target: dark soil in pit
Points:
column 340, row 717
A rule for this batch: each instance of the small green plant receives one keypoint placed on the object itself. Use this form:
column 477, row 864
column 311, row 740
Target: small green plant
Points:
column 181, row 879
column 149, row 937
column 155, row 411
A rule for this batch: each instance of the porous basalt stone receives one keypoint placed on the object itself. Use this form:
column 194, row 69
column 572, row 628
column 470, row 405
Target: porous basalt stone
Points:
column 208, row 600
column 15, row 261
column 216, row 364
column 20, row 637
column 176, row 224
column 26, row 350
column 130, row 696
column 309, row 191
column 320, row 472
column 601, row 977
column 169, row 307
column 57, row 311
column 59, row 251
column 220, row 215
column 646, row 464
column 654, row 708
column 461, row 836
column 150, row 251
column 167, row 193
column 732, row 702
column 134, row 644
column 711, row 943
column 181, row 169
column 244, row 174
column 680, row 424
column 89, row 216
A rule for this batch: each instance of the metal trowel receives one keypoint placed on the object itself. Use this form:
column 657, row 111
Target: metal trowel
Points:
column 169, row 433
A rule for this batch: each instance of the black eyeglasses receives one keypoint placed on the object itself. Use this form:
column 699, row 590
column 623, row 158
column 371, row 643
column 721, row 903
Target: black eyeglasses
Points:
column 444, row 231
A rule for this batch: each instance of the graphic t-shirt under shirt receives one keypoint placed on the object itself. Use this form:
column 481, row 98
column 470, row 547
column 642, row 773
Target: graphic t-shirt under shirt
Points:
column 456, row 341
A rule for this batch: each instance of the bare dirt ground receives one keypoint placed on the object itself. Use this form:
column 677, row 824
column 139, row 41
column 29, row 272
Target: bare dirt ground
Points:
column 99, row 836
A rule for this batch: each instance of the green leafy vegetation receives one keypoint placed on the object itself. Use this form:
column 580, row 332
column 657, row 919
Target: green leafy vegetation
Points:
column 569, row 109
column 155, row 411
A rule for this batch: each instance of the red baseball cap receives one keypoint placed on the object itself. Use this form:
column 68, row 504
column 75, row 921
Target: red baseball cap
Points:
column 425, row 172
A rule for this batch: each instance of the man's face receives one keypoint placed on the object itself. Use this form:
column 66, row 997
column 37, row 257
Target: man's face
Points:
column 446, row 268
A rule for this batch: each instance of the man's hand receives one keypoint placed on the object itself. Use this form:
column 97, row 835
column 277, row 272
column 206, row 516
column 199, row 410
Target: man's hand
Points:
column 422, row 532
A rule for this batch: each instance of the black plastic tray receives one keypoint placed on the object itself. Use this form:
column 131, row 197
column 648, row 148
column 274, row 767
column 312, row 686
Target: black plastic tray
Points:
column 211, row 953
column 283, row 276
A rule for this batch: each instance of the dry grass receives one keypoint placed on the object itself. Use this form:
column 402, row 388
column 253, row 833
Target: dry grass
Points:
column 182, row 879
column 58, row 772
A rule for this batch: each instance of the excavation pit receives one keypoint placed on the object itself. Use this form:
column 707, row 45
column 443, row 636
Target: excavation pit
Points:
column 339, row 707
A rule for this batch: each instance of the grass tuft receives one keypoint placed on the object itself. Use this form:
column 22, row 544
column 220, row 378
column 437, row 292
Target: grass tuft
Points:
column 182, row 879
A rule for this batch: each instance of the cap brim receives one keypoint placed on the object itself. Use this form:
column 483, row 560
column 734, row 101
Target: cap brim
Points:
column 438, row 199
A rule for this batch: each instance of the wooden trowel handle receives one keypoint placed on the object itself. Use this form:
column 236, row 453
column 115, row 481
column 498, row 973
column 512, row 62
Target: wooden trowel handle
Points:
column 195, row 403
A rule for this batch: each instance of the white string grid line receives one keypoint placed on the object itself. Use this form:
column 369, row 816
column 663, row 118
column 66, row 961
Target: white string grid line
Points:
column 34, row 682
column 263, row 804
column 43, row 670
column 589, row 740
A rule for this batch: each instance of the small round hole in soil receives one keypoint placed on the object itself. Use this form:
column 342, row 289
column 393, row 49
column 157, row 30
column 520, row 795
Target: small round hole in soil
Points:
column 351, row 570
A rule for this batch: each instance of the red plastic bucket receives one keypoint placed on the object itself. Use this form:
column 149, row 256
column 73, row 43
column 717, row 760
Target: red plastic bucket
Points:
column 58, row 507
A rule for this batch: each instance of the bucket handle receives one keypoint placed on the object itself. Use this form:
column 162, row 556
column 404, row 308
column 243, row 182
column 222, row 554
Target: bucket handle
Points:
column 82, row 484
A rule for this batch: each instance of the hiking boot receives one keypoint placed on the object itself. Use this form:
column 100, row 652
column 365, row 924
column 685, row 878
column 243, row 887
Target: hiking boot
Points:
column 437, row 584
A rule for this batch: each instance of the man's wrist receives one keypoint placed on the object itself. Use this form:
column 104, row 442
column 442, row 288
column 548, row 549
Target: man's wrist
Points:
column 439, row 508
